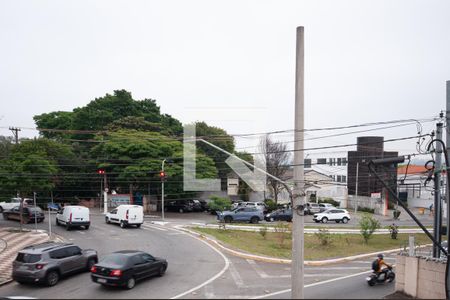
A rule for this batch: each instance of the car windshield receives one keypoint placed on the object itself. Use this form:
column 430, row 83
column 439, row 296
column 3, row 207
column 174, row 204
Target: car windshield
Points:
column 33, row 209
column 115, row 260
column 28, row 258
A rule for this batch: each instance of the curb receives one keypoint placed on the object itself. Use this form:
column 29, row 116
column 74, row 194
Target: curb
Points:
column 5, row 282
column 269, row 259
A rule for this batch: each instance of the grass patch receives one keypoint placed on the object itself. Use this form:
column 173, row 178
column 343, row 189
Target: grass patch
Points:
column 342, row 245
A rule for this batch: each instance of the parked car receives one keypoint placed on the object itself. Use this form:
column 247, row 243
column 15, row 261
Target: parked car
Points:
column 29, row 214
column 244, row 214
column 48, row 262
column 73, row 216
column 182, row 206
column 126, row 215
column 124, row 268
column 54, row 206
column 284, row 214
column 312, row 208
column 325, row 206
column 197, row 205
column 259, row 205
column 334, row 214
column 238, row 203
column 8, row 205
column 204, row 204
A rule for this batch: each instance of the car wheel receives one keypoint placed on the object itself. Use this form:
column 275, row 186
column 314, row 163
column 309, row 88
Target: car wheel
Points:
column 228, row 219
column 20, row 282
column 130, row 283
column 181, row 211
column 162, row 270
column 5, row 216
column 57, row 222
column 138, row 225
column 90, row 263
column 68, row 227
column 107, row 220
column 324, row 220
column 1, row 209
column 254, row 220
column 52, row 278
column 271, row 219
column 344, row 220
column 122, row 224
column 86, row 227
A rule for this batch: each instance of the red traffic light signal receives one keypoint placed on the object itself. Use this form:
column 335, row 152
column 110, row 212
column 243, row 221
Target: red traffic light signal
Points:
column 101, row 171
column 162, row 174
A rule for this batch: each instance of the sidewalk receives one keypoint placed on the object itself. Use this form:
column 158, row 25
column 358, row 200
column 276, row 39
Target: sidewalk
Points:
column 11, row 242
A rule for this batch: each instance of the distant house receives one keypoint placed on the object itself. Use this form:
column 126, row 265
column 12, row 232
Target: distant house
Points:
column 411, row 187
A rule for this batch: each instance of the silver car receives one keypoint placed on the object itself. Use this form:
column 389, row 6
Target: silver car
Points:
column 48, row 262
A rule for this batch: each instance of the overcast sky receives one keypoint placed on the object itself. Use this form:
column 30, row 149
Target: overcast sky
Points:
column 230, row 63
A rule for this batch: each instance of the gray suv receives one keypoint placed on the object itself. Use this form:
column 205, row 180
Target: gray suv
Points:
column 244, row 214
column 48, row 262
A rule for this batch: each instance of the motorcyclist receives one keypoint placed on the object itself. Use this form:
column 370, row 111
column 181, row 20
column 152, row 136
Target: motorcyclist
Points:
column 379, row 270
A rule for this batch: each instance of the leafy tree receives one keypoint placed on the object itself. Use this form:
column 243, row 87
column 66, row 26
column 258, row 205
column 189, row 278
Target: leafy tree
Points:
column 368, row 225
column 220, row 138
column 219, row 203
column 61, row 120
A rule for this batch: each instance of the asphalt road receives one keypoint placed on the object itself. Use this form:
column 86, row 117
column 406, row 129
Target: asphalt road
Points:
column 191, row 262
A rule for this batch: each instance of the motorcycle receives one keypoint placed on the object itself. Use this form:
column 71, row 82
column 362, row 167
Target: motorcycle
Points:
column 373, row 279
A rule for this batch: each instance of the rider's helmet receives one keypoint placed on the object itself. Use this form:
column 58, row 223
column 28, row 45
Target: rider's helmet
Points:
column 380, row 256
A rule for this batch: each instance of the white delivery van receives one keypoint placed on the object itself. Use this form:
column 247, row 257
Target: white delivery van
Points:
column 72, row 216
column 126, row 215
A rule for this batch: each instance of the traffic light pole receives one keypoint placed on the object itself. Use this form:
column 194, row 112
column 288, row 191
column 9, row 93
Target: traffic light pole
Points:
column 105, row 195
column 162, row 189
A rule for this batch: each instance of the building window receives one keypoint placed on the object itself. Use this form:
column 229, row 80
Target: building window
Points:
column 307, row 163
column 339, row 161
column 332, row 161
column 344, row 178
column 339, row 178
column 321, row 161
column 344, row 161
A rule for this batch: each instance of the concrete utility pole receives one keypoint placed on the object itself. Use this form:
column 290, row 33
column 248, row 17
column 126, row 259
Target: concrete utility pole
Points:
column 35, row 212
column 437, row 191
column 297, row 268
column 15, row 132
column 447, row 131
column 162, row 190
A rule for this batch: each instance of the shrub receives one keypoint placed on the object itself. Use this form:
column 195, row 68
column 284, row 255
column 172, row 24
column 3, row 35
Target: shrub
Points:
column 219, row 203
column 367, row 210
column 324, row 236
column 263, row 231
column 270, row 204
column 281, row 231
column 368, row 225
column 393, row 229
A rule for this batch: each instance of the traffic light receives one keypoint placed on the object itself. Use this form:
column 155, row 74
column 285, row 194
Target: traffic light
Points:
column 162, row 175
column 101, row 171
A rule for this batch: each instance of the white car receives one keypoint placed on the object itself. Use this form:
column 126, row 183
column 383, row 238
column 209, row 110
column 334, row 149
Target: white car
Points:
column 15, row 202
column 126, row 215
column 72, row 216
column 334, row 214
column 258, row 205
column 325, row 206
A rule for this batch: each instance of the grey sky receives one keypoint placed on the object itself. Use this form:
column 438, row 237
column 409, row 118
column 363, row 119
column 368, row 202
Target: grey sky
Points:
column 230, row 63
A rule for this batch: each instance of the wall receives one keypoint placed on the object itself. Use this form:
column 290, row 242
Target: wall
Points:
column 420, row 278
column 364, row 201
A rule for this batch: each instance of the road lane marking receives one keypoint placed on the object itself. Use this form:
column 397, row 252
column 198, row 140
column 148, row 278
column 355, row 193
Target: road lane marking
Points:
column 154, row 227
column 311, row 285
column 236, row 276
column 257, row 269
column 227, row 264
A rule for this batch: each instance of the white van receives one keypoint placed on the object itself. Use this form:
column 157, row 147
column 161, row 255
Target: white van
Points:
column 71, row 216
column 126, row 215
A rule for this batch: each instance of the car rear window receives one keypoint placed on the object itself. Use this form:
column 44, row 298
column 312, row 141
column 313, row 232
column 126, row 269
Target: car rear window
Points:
column 28, row 258
column 115, row 260
column 32, row 209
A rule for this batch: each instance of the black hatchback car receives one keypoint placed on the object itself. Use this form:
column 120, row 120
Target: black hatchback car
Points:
column 284, row 214
column 124, row 268
column 182, row 206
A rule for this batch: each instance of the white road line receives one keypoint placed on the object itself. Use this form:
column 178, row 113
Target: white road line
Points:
column 257, row 269
column 227, row 264
column 82, row 232
column 154, row 227
column 334, row 268
column 311, row 285
column 236, row 277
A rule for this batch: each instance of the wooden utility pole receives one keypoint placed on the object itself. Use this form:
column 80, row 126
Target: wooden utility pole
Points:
column 15, row 132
